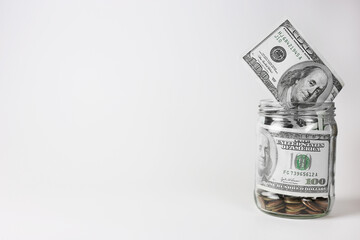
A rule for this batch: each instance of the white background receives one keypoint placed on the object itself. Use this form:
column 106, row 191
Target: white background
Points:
column 136, row 119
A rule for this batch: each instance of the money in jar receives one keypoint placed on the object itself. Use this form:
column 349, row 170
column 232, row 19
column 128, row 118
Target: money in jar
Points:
column 296, row 156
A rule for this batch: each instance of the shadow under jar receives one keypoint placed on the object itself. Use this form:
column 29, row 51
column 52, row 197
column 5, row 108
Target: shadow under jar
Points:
column 296, row 159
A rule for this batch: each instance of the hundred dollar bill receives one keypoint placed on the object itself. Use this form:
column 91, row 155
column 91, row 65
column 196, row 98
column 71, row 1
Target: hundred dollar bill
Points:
column 291, row 70
column 288, row 159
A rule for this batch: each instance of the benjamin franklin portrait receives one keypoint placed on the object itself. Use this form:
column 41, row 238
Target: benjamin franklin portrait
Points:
column 267, row 155
column 305, row 82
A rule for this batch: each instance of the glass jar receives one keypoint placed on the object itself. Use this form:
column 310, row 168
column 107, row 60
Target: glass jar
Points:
column 295, row 166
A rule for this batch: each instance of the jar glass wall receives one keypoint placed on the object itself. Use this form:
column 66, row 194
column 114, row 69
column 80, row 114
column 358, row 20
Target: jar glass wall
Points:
column 296, row 159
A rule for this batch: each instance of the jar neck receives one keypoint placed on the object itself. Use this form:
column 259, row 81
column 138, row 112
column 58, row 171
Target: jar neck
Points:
column 271, row 107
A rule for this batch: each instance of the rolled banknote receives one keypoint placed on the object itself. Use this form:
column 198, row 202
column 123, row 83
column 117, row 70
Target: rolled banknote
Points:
column 291, row 70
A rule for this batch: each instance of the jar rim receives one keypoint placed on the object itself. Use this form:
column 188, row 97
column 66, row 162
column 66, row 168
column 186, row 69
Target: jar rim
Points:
column 273, row 106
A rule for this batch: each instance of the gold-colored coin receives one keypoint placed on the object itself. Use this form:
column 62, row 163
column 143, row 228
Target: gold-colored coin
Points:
column 292, row 200
column 292, row 212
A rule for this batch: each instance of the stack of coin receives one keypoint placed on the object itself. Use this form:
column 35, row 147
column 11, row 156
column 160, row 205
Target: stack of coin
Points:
column 317, row 206
column 274, row 205
column 290, row 205
column 293, row 205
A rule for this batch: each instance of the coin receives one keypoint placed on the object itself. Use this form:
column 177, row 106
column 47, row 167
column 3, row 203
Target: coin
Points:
column 292, row 200
column 312, row 205
column 261, row 201
column 295, row 207
column 291, row 205
column 276, row 208
column 322, row 203
column 292, row 212
column 274, row 203
column 312, row 212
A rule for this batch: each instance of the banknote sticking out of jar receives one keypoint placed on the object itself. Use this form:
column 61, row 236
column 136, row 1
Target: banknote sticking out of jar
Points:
column 305, row 84
column 296, row 156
